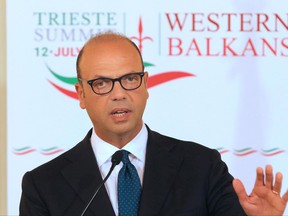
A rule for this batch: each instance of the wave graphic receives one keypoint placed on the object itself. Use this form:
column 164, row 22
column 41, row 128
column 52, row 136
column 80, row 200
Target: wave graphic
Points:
column 51, row 151
column 271, row 152
column 27, row 150
column 244, row 152
column 222, row 150
column 23, row 151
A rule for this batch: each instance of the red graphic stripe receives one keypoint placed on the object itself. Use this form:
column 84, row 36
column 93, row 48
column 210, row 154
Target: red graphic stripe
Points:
column 246, row 153
column 224, row 151
column 272, row 154
column 69, row 93
column 161, row 78
column 53, row 152
column 24, row 152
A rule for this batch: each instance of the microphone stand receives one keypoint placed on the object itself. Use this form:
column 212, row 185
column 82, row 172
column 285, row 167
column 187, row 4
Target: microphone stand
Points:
column 116, row 158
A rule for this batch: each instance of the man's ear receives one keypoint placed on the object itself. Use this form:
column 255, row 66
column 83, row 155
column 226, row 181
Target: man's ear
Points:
column 145, row 79
column 146, row 75
column 81, row 95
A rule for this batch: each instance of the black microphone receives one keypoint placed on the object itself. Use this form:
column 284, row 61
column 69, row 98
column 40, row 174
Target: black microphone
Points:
column 116, row 158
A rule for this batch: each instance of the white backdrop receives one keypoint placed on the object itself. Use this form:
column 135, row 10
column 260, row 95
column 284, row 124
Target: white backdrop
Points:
column 218, row 76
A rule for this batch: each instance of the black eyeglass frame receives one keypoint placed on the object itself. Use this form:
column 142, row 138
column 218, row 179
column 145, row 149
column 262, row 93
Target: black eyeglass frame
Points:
column 90, row 82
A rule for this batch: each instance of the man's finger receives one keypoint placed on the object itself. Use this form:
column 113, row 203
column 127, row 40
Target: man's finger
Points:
column 269, row 177
column 259, row 177
column 239, row 189
column 278, row 183
column 285, row 196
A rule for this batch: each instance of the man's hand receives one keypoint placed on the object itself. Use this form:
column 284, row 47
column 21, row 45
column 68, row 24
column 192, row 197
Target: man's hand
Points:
column 265, row 198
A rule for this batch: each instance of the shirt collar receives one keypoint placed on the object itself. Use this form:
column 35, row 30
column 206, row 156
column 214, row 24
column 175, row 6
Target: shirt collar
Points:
column 103, row 150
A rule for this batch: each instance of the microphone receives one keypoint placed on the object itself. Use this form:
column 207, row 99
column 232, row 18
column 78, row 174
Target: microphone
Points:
column 116, row 158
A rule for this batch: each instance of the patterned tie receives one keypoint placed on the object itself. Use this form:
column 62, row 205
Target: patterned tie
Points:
column 129, row 188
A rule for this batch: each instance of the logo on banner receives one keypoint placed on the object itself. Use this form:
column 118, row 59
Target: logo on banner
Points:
column 140, row 39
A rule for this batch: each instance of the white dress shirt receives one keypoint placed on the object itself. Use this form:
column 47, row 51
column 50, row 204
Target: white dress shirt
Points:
column 103, row 152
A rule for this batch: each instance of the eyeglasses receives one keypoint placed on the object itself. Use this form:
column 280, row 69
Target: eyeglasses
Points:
column 105, row 85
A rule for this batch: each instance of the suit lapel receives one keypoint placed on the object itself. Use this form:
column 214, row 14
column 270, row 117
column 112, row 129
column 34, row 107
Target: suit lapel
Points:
column 161, row 168
column 84, row 177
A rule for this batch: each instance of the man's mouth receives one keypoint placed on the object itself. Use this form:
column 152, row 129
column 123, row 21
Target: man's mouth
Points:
column 119, row 113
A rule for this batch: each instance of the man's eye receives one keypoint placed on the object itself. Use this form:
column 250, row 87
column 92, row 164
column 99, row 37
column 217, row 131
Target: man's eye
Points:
column 100, row 83
column 131, row 78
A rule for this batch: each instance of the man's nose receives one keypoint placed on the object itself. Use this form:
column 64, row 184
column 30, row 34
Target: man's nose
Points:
column 118, row 93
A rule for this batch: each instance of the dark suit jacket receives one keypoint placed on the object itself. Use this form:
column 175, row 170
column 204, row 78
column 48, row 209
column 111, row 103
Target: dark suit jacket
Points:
column 180, row 178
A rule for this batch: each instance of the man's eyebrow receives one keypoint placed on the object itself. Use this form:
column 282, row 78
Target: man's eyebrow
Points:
column 96, row 76
column 105, row 77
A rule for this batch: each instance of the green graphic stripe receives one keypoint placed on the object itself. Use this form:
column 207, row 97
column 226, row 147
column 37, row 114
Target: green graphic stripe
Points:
column 49, row 149
column 243, row 150
column 68, row 80
column 270, row 150
column 22, row 149
column 148, row 64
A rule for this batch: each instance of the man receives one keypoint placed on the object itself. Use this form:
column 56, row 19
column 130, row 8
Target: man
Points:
column 176, row 177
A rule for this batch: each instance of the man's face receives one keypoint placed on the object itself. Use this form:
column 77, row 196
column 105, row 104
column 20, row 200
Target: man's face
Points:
column 118, row 113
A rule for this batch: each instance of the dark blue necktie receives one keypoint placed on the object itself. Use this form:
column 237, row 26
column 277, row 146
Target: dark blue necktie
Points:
column 129, row 188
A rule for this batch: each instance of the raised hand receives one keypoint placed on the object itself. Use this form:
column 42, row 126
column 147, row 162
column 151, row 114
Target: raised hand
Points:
column 265, row 198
